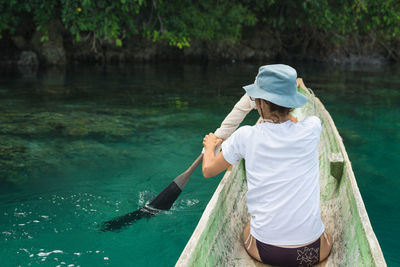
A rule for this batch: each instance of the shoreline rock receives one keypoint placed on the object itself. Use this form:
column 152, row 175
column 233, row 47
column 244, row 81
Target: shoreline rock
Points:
column 62, row 49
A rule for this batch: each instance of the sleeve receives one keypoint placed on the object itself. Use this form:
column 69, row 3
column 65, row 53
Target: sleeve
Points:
column 233, row 148
column 235, row 117
column 315, row 124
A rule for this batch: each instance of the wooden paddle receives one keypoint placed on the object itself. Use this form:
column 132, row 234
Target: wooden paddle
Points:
column 163, row 201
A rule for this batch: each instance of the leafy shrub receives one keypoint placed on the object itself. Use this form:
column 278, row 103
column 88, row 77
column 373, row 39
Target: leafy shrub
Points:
column 295, row 23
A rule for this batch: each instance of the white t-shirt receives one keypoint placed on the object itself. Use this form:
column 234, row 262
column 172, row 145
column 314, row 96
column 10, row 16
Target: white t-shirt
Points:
column 282, row 172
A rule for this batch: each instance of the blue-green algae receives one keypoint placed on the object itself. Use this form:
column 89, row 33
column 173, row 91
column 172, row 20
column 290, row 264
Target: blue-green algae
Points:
column 83, row 145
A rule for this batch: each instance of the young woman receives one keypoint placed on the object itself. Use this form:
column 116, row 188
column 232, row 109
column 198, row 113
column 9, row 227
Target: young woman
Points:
column 282, row 173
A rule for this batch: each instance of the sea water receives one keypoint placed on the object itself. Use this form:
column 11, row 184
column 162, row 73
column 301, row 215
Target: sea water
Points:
column 82, row 145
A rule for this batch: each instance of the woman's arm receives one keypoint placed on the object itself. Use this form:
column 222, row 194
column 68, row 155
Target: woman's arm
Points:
column 235, row 117
column 213, row 165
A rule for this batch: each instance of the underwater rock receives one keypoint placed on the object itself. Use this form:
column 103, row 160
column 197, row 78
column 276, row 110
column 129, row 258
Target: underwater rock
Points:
column 352, row 137
column 73, row 124
column 12, row 158
column 40, row 144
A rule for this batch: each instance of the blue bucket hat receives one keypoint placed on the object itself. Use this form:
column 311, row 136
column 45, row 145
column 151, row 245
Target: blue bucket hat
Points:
column 277, row 84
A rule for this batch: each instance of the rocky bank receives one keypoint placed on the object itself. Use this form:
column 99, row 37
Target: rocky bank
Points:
column 26, row 48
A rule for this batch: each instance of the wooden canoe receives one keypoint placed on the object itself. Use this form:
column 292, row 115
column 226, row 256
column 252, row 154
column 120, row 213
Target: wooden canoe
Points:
column 217, row 239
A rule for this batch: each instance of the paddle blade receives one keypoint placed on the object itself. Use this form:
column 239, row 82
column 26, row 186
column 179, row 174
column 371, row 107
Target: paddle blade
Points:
column 162, row 201
column 166, row 198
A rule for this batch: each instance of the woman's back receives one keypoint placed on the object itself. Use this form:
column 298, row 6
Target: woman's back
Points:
column 282, row 175
column 281, row 159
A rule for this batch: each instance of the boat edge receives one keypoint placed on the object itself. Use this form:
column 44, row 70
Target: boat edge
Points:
column 376, row 250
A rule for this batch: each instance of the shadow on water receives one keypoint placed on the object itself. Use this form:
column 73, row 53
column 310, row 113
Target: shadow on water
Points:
column 118, row 223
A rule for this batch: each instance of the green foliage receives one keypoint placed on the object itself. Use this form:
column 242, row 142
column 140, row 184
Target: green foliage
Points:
column 180, row 21
column 336, row 18
column 109, row 20
column 9, row 15
column 175, row 22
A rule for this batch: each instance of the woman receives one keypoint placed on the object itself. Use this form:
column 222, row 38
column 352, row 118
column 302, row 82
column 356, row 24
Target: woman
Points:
column 281, row 159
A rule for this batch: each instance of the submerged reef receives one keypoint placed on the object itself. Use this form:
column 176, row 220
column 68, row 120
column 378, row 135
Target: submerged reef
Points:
column 37, row 143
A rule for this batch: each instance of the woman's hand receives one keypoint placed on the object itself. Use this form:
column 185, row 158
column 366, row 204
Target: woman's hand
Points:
column 211, row 141
column 212, row 165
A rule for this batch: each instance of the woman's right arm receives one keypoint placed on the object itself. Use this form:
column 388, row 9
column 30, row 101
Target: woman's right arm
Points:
column 212, row 165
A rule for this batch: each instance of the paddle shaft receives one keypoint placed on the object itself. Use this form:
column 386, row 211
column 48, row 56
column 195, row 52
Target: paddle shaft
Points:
column 182, row 179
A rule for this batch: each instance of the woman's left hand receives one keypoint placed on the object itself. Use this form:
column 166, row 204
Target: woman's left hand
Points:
column 211, row 141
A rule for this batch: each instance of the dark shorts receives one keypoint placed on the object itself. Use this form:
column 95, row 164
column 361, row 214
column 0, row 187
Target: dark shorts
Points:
column 301, row 256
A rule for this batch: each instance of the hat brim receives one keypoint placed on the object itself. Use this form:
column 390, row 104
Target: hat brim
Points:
column 293, row 101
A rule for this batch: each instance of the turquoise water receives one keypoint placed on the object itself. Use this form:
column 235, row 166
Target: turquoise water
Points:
column 82, row 145
column 365, row 106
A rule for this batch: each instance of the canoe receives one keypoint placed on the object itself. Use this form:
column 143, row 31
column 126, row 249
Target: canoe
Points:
column 217, row 239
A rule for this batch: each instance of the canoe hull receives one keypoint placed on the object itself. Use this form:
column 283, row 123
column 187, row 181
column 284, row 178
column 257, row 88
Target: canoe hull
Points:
column 217, row 239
